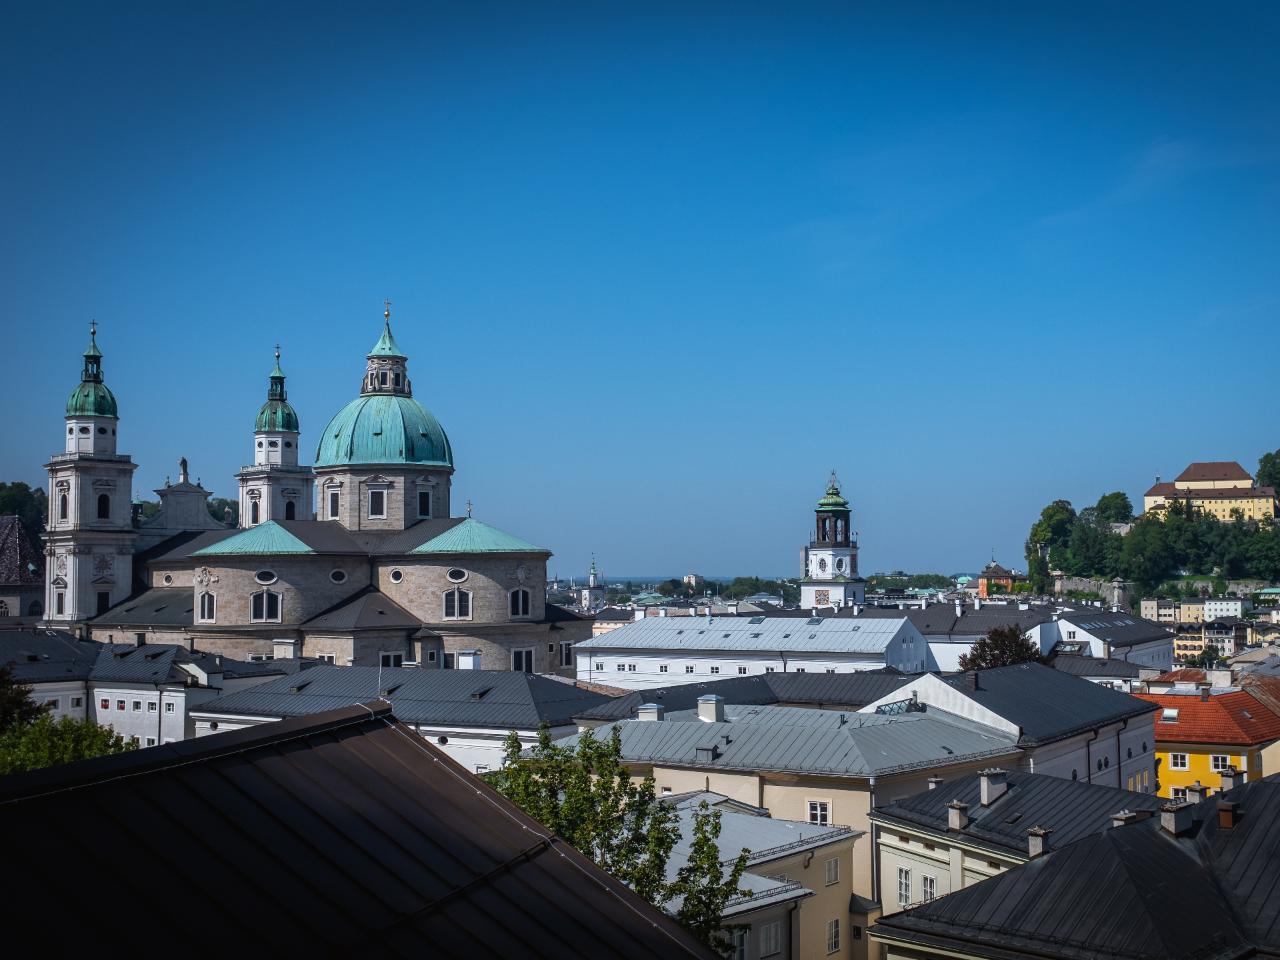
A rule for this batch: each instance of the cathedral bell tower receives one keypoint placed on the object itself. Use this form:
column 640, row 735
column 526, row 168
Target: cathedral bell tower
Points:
column 89, row 540
column 275, row 487
column 830, row 577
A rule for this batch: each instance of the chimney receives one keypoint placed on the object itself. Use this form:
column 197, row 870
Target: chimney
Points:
column 1204, row 694
column 1038, row 841
column 711, row 708
column 977, row 603
column 957, row 815
column 959, row 608
column 992, row 785
column 934, row 781
column 650, row 711
column 971, row 680
column 1218, row 678
column 1175, row 817
column 1128, row 816
column 1229, row 778
column 1196, row 792
column 1228, row 814
column 662, row 611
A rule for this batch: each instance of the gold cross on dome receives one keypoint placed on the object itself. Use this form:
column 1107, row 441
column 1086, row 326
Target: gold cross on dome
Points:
column 468, row 508
column 386, row 312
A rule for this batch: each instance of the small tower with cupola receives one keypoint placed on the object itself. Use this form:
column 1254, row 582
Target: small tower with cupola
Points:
column 830, row 577
column 591, row 598
column 89, row 540
column 275, row 487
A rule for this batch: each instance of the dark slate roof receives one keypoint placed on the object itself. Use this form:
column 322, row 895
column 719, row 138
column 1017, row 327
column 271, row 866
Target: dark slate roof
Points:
column 46, row 656
column 615, row 615
column 366, row 610
column 1130, row 893
column 849, row 691
column 149, row 663
column 180, row 547
column 1072, row 809
column 1046, row 704
column 940, row 620
column 157, row 607
column 20, row 565
column 504, row 699
column 362, row 838
column 395, row 542
column 1118, row 629
column 558, row 614
column 1094, row 666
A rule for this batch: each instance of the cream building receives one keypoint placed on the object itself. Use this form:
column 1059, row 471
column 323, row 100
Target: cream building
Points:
column 1219, row 488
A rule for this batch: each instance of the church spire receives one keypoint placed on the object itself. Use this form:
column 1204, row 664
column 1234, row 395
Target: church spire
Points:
column 386, row 371
column 92, row 398
column 277, row 414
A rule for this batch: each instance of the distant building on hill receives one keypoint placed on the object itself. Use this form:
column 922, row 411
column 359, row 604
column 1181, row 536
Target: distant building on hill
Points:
column 1218, row 488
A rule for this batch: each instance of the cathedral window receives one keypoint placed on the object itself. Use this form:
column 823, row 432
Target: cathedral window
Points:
column 4, row 609
column 377, row 504
column 338, row 576
column 60, row 602
column 265, row 607
column 397, row 576
column 457, row 605
column 424, row 503
column 265, row 576
column 62, row 507
column 522, row 660
column 253, row 512
column 290, row 510
column 383, row 378
column 208, row 607
column 104, row 507
column 519, row 603
column 457, row 575
column 334, row 502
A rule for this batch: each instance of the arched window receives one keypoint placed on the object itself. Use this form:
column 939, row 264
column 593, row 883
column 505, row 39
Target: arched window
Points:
column 104, row 507
column 290, row 510
column 4, row 609
column 265, row 606
column 520, row 603
column 62, row 507
column 208, row 607
column 253, row 512
column 457, row 605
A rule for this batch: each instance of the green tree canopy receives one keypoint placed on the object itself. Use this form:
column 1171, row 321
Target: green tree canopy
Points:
column 29, row 504
column 586, row 795
column 16, row 706
column 1114, row 508
column 1001, row 647
column 46, row 742
column 1269, row 470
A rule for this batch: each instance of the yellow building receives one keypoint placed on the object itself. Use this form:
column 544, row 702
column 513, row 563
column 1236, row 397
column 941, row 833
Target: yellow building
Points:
column 1199, row 735
column 1217, row 488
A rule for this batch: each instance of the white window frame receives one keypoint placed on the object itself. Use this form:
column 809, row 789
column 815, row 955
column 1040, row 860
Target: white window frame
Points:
column 770, row 938
column 427, row 494
column 151, row 706
column 168, row 706
column 1175, row 765
column 1178, row 793
column 833, row 935
column 213, row 607
column 833, row 871
column 457, row 593
column 1215, row 765
column 928, row 888
column 334, row 510
column 522, row 653
column 904, row 887
column 381, row 492
column 519, row 603
column 266, row 618
column 566, row 653
column 819, row 810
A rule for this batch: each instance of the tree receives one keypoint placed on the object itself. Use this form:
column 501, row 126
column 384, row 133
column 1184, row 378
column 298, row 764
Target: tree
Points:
column 1001, row 647
column 218, row 507
column 30, row 505
column 16, row 706
column 1114, row 507
column 585, row 795
column 1269, row 470
column 1054, row 526
column 46, row 742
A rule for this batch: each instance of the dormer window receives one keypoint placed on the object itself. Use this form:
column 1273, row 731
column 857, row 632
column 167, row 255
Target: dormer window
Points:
column 377, row 504
column 382, row 378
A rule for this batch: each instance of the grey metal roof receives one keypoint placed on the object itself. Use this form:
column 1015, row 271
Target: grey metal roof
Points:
column 1046, row 704
column 1130, row 893
column 1118, row 629
column 1072, row 809
column 849, row 691
column 757, row 634
column 939, row 620
column 159, row 606
column 504, row 699
column 1095, row 666
column 46, row 656
column 866, row 744
column 343, row 834
column 368, row 609
column 149, row 663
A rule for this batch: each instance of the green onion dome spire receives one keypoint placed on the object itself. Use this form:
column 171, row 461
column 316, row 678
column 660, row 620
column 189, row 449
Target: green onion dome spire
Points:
column 92, row 398
column 277, row 414
column 833, row 499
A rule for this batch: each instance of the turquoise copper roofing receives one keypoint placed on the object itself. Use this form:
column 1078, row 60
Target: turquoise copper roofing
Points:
column 92, row 398
column 383, row 428
column 266, row 539
column 833, row 500
column 386, row 345
column 472, row 536
column 277, row 414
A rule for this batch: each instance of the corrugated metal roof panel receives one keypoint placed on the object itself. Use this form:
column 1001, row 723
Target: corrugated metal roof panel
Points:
column 828, row 634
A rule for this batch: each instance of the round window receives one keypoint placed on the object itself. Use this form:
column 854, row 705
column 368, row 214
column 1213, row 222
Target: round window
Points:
column 259, row 444
column 213, row 724
column 396, row 576
column 840, row 564
column 456, row 575
column 288, row 444
column 102, row 430
column 70, row 431
column 273, row 444
column 338, row 576
column 442, row 740
column 168, row 579
column 84, row 430
column 265, row 576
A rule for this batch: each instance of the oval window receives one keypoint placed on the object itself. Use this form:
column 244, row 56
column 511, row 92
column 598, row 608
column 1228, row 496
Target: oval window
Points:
column 265, row 576
column 288, row 444
column 396, row 576
column 84, row 430
column 442, row 740
column 456, row 575
column 338, row 576
column 102, row 430
column 168, row 579
column 273, row 444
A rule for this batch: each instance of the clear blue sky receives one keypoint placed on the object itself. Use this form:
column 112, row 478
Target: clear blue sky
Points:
column 661, row 267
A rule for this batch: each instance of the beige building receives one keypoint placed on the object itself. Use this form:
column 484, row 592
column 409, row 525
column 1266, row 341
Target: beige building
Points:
column 1218, row 488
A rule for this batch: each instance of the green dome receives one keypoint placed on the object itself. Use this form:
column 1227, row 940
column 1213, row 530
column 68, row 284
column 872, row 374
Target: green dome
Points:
column 383, row 428
column 91, row 399
column 276, row 416
column 833, row 499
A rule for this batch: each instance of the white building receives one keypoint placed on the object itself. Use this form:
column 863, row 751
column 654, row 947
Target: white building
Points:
column 1066, row 725
column 1226, row 607
column 830, row 576
column 1119, row 636
column 668, row 650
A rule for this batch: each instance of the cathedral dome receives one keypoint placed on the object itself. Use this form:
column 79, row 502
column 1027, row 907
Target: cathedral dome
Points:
column 91, row 399
column 384, row 428
column 276, row 416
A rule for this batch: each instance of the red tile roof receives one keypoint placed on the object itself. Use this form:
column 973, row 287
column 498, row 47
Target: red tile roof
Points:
column 1227, row 718
column 1185, row 675
column 1214, row 470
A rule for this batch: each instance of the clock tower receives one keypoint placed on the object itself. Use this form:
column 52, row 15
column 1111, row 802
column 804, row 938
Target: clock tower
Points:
column 830, row 577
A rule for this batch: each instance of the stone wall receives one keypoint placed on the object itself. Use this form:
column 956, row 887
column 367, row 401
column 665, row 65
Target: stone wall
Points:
column 304, row 584
column 401, row 485
column 489, row 579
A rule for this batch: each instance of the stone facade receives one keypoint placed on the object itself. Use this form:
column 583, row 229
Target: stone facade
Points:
column 305, row 586
column 402, row 490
